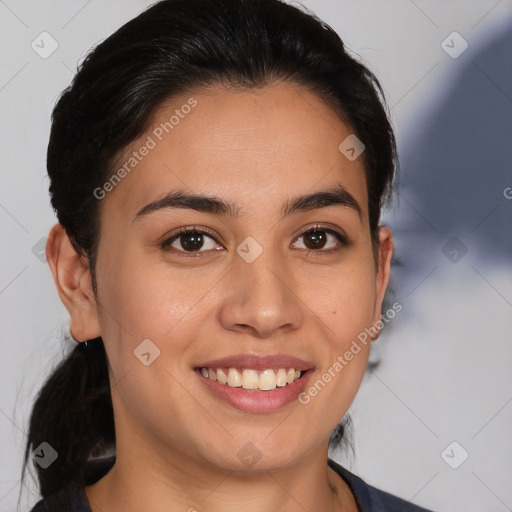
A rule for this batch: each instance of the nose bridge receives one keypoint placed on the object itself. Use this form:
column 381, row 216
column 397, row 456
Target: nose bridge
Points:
column 261, row 281
column 262, row 298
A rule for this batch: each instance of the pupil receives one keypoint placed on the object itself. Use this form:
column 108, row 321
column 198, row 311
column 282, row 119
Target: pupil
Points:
column 192, row 241
column 317, row 239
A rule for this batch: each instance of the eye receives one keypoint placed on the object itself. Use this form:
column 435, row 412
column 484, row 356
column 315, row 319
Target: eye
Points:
column 191, row 240
column 318, row 240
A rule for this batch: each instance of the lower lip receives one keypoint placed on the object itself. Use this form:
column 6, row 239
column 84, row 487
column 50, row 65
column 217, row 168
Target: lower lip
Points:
column 257, row 401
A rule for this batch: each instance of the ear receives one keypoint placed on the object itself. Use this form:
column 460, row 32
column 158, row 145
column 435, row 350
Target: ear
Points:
column 384, row 255
column 74, row 284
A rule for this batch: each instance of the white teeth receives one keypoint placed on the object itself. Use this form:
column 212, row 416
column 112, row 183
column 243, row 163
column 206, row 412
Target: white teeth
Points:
column 250, row 379
column 264, row 380
column 267, row 380
column 234, row 378
column 221, row 376
column 281, row 377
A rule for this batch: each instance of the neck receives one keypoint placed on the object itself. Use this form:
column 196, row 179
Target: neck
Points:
column 139, row 482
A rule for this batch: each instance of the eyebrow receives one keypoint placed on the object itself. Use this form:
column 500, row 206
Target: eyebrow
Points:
column 337, row 196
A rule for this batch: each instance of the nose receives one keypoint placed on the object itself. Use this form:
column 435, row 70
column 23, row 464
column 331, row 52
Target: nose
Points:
column 260, row 298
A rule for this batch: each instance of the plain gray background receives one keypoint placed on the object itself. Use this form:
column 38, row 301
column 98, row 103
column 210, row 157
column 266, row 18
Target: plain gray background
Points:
column 444, row 374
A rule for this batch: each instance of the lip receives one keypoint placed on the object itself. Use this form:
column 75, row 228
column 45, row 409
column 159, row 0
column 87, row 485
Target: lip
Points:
column 257, row 362
column 256, row 401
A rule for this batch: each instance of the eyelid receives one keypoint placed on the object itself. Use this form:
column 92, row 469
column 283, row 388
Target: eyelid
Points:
column 320, row 226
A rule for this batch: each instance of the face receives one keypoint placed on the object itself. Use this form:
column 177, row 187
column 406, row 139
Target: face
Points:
column 259, row 277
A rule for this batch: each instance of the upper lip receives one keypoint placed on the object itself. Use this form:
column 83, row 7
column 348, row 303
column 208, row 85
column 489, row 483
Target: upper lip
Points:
column 257, row 362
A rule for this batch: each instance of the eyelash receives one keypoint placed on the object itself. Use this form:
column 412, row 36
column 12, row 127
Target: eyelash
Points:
column 342, row 239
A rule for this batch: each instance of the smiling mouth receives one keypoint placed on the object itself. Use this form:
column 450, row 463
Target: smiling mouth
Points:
column 250, row 379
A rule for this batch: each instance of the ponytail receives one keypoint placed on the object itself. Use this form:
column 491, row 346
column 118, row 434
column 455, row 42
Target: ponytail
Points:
column 73, row 414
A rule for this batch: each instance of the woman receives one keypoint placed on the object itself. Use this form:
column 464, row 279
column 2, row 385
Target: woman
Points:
column 218, row 171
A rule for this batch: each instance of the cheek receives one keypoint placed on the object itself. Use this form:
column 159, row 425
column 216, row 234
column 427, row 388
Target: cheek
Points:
column 142, row 299
column 345, row 312
column 344, row 305
column 344, row 299
column 143, row 302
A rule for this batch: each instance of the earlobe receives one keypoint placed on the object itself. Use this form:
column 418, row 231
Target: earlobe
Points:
column 385, row 254
column 74, row 284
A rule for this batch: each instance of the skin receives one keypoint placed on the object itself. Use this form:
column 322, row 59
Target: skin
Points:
column 177, row 444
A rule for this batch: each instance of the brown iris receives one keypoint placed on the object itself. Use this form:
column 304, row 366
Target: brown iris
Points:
column 192, row 241
column 314, row 239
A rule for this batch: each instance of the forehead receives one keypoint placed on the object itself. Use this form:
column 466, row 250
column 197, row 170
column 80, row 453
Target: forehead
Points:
column 252, row 146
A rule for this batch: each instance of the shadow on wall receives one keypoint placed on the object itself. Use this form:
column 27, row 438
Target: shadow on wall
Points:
column 455, row 192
